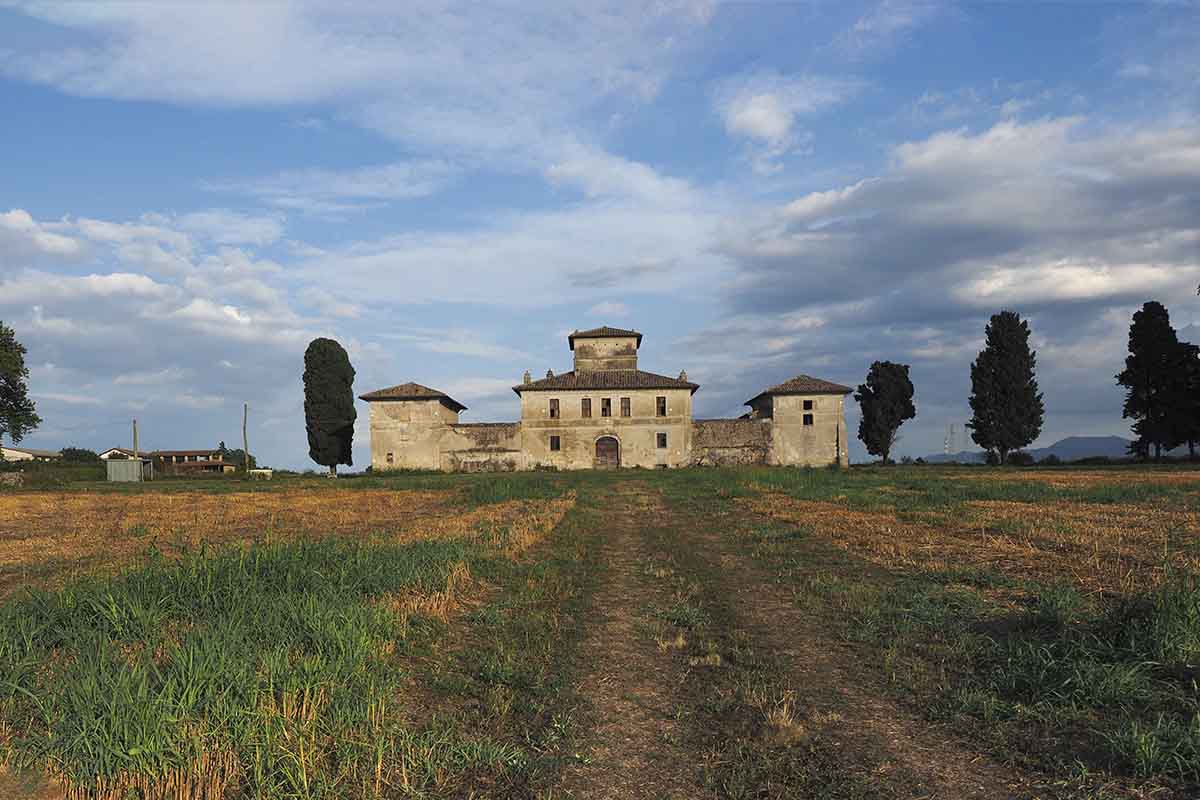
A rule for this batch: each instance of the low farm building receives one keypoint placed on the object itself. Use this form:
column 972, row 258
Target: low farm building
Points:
column 608, row 413
column 10, row 453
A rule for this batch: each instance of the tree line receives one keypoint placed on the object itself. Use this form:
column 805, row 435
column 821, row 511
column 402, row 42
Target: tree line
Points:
column 1161, row 379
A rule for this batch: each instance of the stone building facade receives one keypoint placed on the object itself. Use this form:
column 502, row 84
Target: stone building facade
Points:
column 608, row 413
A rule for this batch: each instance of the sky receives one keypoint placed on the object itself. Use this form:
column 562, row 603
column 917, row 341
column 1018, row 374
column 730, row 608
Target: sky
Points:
column 190, row 193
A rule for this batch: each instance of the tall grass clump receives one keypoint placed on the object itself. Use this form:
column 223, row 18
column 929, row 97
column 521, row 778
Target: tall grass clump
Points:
column 265, row 671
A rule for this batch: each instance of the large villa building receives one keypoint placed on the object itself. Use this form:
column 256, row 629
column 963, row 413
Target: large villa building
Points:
column 608, row 413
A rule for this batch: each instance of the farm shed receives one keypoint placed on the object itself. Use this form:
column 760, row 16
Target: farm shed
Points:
column 129, row 470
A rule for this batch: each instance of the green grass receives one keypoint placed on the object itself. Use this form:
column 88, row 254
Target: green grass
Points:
column 1109, row 683
column 275, row 671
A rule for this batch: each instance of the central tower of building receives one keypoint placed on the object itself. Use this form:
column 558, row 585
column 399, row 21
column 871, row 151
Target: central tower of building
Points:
column 604, row 349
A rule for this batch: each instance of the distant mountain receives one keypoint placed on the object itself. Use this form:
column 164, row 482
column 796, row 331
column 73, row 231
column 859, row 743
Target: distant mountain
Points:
column 1071, row 448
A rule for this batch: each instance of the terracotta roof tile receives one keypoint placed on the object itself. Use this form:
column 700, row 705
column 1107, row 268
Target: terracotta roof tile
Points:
column 413, row 391
column 803, row 384
column 606, row 379
column 603, row 332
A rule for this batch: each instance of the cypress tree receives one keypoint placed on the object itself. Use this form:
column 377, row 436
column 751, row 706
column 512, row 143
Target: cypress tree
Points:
column 1006, row 406
column 1188, row 404
column 18, row 415
column 329, row 411
column 1152, row 377
column 886, row 402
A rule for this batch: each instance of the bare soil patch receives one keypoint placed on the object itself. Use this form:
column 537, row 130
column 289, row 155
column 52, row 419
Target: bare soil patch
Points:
column 632, row 748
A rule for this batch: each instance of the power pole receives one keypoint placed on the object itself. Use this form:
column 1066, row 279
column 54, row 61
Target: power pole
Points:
column 135, row 439
column 245, row 439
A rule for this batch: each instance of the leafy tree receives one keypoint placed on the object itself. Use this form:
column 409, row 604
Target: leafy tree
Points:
column 17, row 413
column 1006, row 406
column 886, row 402
column 80, row 455
column 1153, row 377
column 329, row 411
column 237, row 456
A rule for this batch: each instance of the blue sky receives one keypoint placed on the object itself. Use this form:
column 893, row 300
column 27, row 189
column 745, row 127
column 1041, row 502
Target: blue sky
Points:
column 189, row 193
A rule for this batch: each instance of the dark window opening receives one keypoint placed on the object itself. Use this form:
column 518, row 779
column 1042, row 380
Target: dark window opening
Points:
column 662, row 440
column 606, row 407
column 390, row 458
column 554, row 408
column 808, row 405
column 625, row 410
column 555, row 444
column 808, row 419
column 660, row 406
column 585, row 407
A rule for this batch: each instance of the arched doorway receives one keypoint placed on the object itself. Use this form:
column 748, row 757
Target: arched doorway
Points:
column 608, row 453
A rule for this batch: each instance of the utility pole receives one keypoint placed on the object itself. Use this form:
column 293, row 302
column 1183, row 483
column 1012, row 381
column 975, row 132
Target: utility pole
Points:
column 135, row 439
column 245, row 439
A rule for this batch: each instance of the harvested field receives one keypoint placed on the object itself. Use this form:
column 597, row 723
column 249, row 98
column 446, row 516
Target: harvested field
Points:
column 1099, row 548
column 726, row 633
column 47, row 535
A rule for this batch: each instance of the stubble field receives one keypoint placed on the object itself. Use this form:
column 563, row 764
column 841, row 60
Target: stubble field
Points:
column 743, row 633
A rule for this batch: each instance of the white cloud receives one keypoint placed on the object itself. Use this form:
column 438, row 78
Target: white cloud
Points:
column 70, row 398
column 764, row 108
column 171, row 374
column 24, row 241
column 442, row 78
column 882, row 28
column 324, row 191
column 229, row 227
column 600, row 174
column 325, row 302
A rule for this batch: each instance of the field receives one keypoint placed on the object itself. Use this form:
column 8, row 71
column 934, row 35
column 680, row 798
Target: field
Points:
column 751, row 633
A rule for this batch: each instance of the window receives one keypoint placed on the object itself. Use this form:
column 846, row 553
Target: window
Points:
column 625, row 410
column 808, row 405
column 555, row 444
column 554, row 408
column 808, row 419
column 585, row 408
column 390, row 458
column 660, row 406
column 661, row 440
column 606, row 407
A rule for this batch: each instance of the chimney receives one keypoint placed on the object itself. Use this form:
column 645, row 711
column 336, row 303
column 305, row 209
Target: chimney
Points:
column 526, row 379
column 683, row 374
column 549, row 373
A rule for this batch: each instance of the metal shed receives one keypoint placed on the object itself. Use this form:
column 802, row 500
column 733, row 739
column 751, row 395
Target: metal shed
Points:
column 130, row 470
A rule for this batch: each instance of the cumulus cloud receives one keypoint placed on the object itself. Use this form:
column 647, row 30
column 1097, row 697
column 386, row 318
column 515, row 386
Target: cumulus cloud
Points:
column 1071, row 223
column 764, row 108
column 24, row 241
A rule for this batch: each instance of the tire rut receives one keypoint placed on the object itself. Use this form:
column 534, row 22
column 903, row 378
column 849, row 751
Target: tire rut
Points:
column 632, row 746
column 915, row 758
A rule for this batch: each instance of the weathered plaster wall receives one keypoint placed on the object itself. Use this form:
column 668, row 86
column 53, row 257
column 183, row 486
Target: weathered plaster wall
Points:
column 410, row 431
column 726, row 442
column 635, row 433
column 482, row 447
column 822, row 443
column 617, row 352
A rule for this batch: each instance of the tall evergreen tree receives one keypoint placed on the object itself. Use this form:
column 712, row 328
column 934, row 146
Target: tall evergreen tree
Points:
column 1006, row 406
column 1152, row 378
column 1187, row 398
column 18, row 416
column 329, row 411
column 886, row 402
